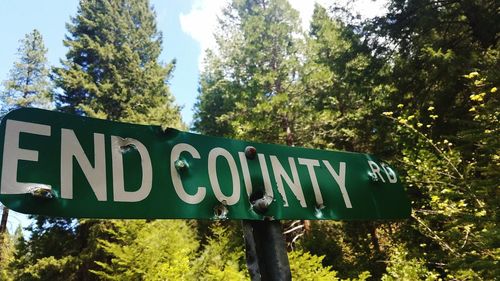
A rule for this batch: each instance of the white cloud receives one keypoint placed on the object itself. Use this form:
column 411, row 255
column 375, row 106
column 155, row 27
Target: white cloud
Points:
column 305, row 9
column 201, row 22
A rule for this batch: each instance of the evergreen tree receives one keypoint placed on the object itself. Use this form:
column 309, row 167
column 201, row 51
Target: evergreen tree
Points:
column 343, row 85
column 345, row 96
column 431, row 46
column 51, row 253
column 214, row 100
column 28, row 84
column 262, row 85
column 222, row 257
column 157, row 250
column 250, row 87
column 250, row 84
column 444, row 131
column 418, row 86
column 111, row 70
column 305, row 266
column 7, row 247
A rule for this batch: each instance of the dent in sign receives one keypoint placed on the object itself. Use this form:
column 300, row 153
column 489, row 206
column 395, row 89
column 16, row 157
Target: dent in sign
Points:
column 215, row 173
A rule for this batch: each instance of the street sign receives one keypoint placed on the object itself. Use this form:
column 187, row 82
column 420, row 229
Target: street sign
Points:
column 64, row 165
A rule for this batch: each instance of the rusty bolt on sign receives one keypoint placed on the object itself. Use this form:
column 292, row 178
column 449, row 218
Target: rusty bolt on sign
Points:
column 43, row 192
column 250, row 152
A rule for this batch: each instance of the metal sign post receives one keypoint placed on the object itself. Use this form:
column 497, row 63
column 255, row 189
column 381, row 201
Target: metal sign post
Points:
column 266, row 251
column 265, row 247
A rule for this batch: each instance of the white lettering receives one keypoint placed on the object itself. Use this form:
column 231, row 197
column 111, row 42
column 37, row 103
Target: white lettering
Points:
column 340, row 179
column 176, row 178
column 70, row 146
column 310, row 164
column 265, row 175
column 12, row 154
column 118, row 145
column 246, row 173
column 214, row 181
column 375, row 170
column 280, row 173
column 391, row 175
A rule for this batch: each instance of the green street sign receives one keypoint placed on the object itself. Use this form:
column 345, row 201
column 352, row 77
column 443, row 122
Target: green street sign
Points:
column 64, row 165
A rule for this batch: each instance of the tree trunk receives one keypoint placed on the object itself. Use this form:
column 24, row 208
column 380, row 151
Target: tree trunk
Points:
column 374, row 239
column 5, row 216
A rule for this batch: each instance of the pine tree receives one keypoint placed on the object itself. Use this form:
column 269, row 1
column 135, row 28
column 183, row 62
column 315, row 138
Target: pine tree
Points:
column 343, row 99
column 111, row 70
column 250, row 86
column 214, row 100
column 51, row 253
column 444, row 60
column 222, row 256
column 341, row 80
column 7, row 242
column 432, row 45
column 157, row 250
column 252, row 77
column 28, row 84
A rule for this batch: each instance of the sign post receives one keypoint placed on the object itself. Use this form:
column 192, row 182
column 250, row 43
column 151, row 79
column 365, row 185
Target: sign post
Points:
column 266, row 250
column 56, row 164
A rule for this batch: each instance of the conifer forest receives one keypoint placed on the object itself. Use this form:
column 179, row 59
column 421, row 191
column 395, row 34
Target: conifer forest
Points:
column 417, row 86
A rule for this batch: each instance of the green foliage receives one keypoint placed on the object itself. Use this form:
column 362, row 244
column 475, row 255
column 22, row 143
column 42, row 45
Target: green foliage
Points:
column 111, row 70
column 28, row 84
column 339, row 80
column 432, row 45
column 353, row 247
column 7, row 253
column 222, row 258
column 214, row 100
column 444, row 113
column 417, row 86
column 485, row 112
column 146, row 251
column 269, row 82
column 253, row 75
column 51, row 253
column 454, row 202
column 50, row 268
column 403, row 268
column 305, row 266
